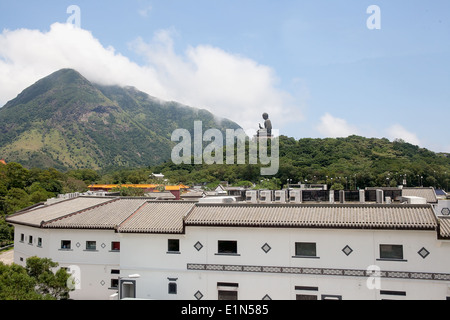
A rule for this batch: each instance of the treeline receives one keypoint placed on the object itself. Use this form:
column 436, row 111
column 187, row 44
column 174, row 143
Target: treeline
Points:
column 21, row 188
column 349, row 163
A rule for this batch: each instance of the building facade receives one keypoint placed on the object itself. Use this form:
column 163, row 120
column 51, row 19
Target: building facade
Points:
column 135, row 248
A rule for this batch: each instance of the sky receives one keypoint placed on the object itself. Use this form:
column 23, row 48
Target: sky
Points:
column 322, row 68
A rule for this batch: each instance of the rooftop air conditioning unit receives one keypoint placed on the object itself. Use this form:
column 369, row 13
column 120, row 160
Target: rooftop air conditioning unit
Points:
column 295, row 196
column 251, row 196
column 265, row 196
column 280, row 196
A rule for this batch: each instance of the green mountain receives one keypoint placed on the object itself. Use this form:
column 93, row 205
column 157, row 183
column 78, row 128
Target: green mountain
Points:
column 66, row 122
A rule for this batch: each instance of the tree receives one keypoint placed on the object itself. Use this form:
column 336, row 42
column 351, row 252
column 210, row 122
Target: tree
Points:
column 337, row 186
column 49, row 283
column 16, row 284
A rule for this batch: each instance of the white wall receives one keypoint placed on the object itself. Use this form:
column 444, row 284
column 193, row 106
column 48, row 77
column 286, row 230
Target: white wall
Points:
column 155, row 266
column 146, row 255
column 94, row 266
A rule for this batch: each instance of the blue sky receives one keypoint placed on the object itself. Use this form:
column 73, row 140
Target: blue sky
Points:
column 314, row 66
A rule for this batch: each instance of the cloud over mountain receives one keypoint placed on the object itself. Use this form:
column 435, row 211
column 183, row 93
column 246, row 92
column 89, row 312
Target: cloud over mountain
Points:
column 228, row 85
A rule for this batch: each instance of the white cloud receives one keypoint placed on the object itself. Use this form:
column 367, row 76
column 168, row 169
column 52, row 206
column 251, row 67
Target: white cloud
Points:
column 145, row 11
column 332, row 127
column 228, row 85
column 398, row 132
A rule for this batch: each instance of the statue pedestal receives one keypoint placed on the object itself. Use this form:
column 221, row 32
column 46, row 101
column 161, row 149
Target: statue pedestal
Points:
column 262, row 134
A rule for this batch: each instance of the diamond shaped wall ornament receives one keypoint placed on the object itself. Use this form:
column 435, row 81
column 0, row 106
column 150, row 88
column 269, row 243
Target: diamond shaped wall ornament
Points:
column 347, row 250
column 198, row 246
column 103, row 246
column 267, row 298
column 424, row 253
column 198, row 295
column 78, row 244
column 266, row 248
column 102, row 283
column 445, row 212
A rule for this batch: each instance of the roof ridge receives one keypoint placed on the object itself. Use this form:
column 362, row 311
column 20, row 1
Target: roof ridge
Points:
column 117, row 227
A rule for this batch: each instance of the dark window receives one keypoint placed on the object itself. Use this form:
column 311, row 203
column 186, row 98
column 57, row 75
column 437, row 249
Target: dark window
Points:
column 306, row 297
column 22, row 237
column 39, row 242
column 393, row 293
column 91, row 245
column 173, row 288
column 303, row 249
column 114, row 283
column 389, row 251
column 30, row 240
column 228, row 295
column 115, row 271
column 227, row 247
column 115, row 246
column 306, row 288
column 66, row 244
column 173, row 245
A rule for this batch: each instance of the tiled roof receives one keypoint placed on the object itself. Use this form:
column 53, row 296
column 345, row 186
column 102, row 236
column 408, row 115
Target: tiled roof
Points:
column 158, row 217
column 444, row 227
column 42, row 214
column 315, row 216
column 105, row 216
column 428, row 193
column 140, row 215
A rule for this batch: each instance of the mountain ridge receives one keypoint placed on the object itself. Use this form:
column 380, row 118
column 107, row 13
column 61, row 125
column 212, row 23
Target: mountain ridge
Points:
column 66, row 122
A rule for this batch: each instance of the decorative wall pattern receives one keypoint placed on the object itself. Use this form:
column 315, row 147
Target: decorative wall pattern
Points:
column 320, row 271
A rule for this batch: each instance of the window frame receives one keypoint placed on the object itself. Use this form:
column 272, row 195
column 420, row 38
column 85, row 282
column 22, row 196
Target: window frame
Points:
column 300, row 254
column 172, row 288
column 170, row 243
column 63, row 247
column 391, row 255
column 223, row 251
column 112, row 246
column 88, row 248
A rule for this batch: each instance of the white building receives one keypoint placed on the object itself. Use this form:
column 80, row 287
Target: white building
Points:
column 187, row 250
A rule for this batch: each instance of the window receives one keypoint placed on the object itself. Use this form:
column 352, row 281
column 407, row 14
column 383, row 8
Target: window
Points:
column 227, row 291
column 228, row 295
column 391, row 252
column 305, row 250
column 91, row 245
column 306, row 297
column 115, row 246
column 227, row 247
column 30, row 240
column 114, row 283
column 66, row 244
column 173, row 246
column 39, row 243
column 393, row 293
column 173, row 289
column 22, row 237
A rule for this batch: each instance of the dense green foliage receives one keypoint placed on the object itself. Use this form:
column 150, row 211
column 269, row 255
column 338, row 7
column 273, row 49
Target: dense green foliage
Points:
column 36, row 281
column 21, row 188
column 343, row 163
column 65, row 122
